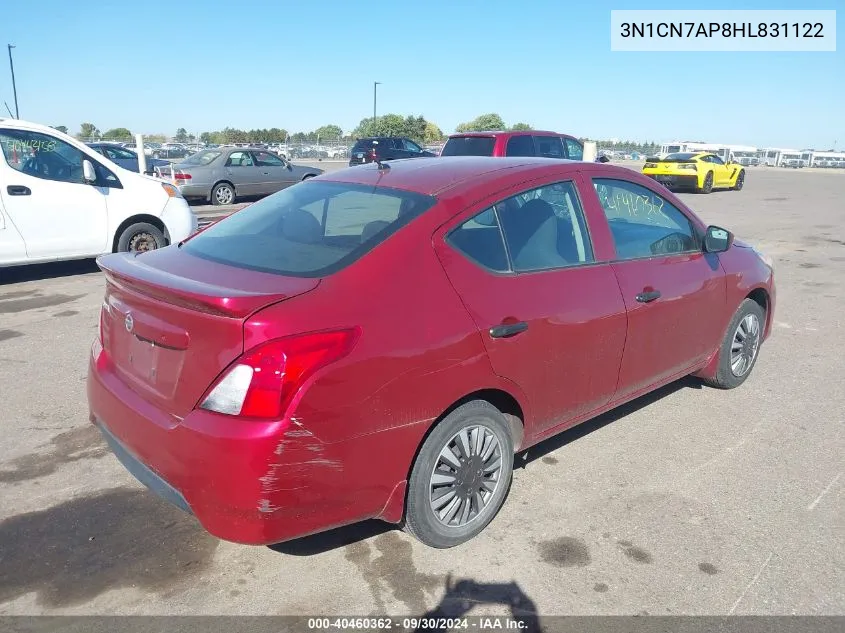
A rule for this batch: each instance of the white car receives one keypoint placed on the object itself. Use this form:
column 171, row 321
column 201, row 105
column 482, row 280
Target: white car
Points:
column 59, row 199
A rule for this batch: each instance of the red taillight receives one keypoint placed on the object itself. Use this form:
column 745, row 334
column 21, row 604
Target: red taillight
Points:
column 373, row 155
column 262, row 383
column 181, row 176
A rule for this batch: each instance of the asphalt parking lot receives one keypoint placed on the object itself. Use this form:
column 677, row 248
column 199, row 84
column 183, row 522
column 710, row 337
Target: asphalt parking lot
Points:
column 688, row 501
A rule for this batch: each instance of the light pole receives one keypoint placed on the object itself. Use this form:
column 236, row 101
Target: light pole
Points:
column 375, row 86
column 14, row 87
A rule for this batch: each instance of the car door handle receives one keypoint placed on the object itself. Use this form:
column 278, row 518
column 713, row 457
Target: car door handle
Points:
column 648, row 296
column 18, row 190
column 508, row 329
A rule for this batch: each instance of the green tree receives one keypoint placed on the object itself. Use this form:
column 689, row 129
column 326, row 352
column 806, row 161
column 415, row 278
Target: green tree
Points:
column 485, row 122
column 521, row 126
column 88, row 131
column 433, row 133
column 393, row 125
column 118, row 134
column 155, row 138
column 330, row 132
column 181, row 135
column 277, row 135
column 60, row 128
column 205, row 137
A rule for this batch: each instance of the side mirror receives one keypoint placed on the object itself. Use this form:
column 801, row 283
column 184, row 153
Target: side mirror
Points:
column 717, row 240
column 603, row 159
column 88, row 173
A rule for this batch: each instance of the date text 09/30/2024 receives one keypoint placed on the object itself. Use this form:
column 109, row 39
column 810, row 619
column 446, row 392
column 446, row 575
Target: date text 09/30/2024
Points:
column 476, row 623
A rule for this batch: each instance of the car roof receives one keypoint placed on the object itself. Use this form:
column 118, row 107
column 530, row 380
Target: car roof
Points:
column 508, row 133
column 432, row 176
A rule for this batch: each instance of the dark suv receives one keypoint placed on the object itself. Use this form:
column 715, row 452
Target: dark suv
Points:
column 373, row 148
column 522, row 143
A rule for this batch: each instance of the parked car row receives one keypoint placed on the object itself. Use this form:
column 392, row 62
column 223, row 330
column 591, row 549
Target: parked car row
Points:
column 496, row 143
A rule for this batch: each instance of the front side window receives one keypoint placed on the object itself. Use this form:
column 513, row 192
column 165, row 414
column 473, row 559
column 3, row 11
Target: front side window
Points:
column 239, row 159
column 520, row 145
column 266, row 159
column 716, row 160
column 549, row 146
column 574, row 149
column 644, row 224
column 311, row 229
column 411, row 146
column 41, row 155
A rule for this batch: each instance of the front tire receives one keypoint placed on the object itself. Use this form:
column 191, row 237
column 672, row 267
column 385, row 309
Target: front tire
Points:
column 740, row 180
column 223, row 193
column 140, row 238
column 707, row 187
column 740, row 347
column 461, row 476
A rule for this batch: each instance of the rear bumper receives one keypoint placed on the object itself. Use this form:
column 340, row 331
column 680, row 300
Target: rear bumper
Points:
column 676, row 180
column 195, row 191
column 248, row 482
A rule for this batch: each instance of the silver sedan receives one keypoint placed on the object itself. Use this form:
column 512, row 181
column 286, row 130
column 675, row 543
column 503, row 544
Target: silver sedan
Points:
column 224, row 174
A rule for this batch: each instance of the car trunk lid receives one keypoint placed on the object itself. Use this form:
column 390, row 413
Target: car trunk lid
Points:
column 172, row 322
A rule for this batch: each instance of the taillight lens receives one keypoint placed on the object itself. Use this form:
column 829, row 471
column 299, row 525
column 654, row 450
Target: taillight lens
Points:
column 690, row 166
column 181, row 176
column 373, row 155
column 650, row 165
column 263, row 381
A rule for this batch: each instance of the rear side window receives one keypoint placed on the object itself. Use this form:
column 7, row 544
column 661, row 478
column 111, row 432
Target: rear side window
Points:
column 574, row 149
column 520, row 145
column 469, row 146
column 549, row 146
column 309, row 230
column 480, row 239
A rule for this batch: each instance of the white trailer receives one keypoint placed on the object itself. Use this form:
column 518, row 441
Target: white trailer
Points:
column 743, row 154
column 774, row 156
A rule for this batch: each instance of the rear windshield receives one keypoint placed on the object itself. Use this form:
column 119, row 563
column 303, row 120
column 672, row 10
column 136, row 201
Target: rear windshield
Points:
column 365, row 144
column 311, row 229
column 469, row 146
column 680, row 156
column 201, row 158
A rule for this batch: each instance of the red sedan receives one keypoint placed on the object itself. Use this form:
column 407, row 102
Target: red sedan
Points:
column 380, row 341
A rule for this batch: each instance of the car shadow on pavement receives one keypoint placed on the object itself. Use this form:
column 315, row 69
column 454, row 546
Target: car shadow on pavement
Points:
column 347, row 535
column 555, row 442
column 37, row 272
column 333, row 539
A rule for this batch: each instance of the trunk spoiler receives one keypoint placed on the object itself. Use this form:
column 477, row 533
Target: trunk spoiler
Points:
column 129, row 271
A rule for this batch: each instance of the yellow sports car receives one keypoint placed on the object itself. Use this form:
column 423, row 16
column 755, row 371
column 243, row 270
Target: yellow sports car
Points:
column 700, row 171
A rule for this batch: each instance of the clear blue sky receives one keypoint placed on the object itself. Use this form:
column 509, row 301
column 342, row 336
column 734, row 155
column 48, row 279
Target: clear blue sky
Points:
column 207, row 64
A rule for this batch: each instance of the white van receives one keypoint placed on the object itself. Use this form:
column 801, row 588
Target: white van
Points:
column 59, row 199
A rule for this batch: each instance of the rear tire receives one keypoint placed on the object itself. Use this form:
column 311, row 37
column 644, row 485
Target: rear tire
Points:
column 223, row 193
column 740, row 347
column 707, row 187
column 467, row 487
column 740, row 180
column 141, row 237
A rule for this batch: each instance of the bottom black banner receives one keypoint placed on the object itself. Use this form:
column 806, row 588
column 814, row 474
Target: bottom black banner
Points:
column 526, row 623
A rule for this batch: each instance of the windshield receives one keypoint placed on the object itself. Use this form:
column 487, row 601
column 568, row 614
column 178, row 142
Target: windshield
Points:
column 469, row 146
column 201, row 158
column 310, row 229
